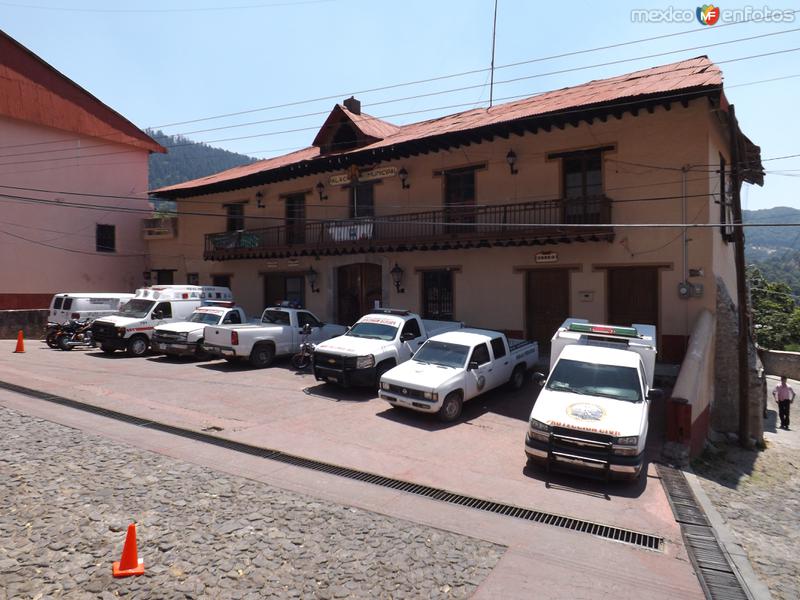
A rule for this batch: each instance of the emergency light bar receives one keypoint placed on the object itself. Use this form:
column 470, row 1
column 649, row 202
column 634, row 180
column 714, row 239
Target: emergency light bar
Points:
column 604, row 329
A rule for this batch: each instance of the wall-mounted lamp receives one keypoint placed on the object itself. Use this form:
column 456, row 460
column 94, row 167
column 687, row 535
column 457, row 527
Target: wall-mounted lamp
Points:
column 321, row 191
column 312, row 280
column 511, row 159
column 403, row 175
column 260, row 199
column 397, row 277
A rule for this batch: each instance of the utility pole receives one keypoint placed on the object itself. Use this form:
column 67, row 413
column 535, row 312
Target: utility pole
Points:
column 494, row 37
column 741, row 285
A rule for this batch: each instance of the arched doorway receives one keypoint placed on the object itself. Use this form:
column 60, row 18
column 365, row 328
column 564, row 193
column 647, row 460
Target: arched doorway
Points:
column 358, row 287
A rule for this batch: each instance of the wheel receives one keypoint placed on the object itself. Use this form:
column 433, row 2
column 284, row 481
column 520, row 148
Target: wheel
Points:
column 51, row 339
column 107, row 349
column 262, row 355
column 451, row 407
column 137, row 346
column 300, row 361
column 63, row 342
column 381, row 369
column 517, row 380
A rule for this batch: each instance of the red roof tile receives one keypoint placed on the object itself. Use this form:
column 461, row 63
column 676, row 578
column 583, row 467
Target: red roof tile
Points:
column 693, row 73
column 33, row 91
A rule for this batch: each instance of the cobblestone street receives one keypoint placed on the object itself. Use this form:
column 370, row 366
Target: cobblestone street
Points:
column 66, row 499
column 758, row 495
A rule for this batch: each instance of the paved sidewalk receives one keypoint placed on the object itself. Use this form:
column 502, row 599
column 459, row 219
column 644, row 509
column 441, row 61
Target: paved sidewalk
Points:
column 758, row 495
column 66, row 498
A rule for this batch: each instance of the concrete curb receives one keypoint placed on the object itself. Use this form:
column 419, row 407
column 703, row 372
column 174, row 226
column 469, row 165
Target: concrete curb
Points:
column 737, row 557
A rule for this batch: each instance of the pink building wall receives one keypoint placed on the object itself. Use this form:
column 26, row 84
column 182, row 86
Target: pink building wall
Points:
column 49, row 247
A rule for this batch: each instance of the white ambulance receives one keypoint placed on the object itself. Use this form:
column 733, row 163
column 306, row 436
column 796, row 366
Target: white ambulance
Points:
column 592, row 412
column 85, row 305
column 132, row 327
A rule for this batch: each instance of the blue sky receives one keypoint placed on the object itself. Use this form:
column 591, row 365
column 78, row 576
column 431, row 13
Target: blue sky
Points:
column 163, row 61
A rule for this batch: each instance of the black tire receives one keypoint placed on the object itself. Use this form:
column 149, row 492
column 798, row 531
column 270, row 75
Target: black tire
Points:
column 262, row 356
column 137, row 345
column 51, row 339
column 107, row 349
column 301, row 361
column 517, row 380
column 381, row 369
column 63, row 342
column 451, row 407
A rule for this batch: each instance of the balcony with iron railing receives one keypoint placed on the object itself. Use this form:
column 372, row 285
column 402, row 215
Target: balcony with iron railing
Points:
column 462, row 226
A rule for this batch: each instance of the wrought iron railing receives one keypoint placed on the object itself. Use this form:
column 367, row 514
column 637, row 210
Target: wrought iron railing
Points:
column 450, row 223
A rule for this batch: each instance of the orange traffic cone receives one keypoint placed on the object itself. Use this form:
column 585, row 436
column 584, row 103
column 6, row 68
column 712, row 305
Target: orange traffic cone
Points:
column 20, row 343
column 130, row 563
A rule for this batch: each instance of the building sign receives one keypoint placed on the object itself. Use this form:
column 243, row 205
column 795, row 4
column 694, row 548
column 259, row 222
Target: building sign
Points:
column 372, row 174
column 546, row 257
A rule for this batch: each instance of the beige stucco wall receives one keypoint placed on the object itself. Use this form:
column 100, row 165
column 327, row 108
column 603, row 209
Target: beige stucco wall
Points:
column 47, row 159
column 649, row 151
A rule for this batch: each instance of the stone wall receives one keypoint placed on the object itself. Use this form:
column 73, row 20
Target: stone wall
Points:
column 725, row 409
column 781, row 363
column 31, row 322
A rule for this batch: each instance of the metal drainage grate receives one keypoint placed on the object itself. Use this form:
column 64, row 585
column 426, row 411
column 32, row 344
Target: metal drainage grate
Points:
column 625, row 536
column 716, row 575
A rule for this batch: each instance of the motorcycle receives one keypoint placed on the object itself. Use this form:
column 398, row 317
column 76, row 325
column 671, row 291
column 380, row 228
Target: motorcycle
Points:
column 52, row 331
column 302, row 360
column 76, row 333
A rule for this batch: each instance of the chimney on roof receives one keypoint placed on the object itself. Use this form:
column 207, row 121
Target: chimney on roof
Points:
column 353, row 105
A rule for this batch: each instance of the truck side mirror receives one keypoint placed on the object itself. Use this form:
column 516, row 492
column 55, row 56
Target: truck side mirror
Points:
column 538, row 378
column 473, row 365
column 655, row 394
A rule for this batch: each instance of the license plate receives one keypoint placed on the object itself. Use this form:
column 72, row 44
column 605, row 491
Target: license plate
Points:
column 160, row 347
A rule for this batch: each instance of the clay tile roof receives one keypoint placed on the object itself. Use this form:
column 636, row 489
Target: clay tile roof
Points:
column 31, row 90
column 663, row 82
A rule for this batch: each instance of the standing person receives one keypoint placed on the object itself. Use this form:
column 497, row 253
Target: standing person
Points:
column 784, row 396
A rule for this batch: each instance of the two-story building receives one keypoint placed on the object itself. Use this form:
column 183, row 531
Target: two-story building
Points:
column 64, row 157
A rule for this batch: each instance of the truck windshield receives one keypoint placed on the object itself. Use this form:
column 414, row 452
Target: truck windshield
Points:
column 610, row 381
column 442, row 354
column 373, row 331
column 136, row 309
column 204, row 318
column 278, row 317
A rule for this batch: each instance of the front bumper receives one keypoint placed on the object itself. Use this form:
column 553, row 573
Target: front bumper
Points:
column 428, row 406
column 620, row 466
column 117, row 343
column 346, row 377
column 175, row 348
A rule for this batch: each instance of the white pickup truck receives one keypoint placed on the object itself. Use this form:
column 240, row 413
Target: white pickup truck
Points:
column 279, row 333
column 185, row 338
column 592, row 412
column 453, row 367
column 377, row 342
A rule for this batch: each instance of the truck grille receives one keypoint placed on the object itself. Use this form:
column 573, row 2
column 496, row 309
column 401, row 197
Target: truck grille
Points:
column 334, row 361
column 165, row 337
column 103, row 331
column 407, row 392
column 581, row 443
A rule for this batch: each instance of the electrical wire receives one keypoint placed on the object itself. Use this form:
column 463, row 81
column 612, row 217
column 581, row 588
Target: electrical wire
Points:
column 165, row 10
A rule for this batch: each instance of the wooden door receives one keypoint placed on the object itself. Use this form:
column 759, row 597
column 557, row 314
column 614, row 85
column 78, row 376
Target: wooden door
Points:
column 546, row 304
column 296, row 219
column 633, row 296
column 358, row 287
column 459, row 200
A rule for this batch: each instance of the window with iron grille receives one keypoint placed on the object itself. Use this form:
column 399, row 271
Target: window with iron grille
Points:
column 221, row 280
column 193, row 278
column 437, row 295
column 106, row 238
column 362, row 200
column 165, row 276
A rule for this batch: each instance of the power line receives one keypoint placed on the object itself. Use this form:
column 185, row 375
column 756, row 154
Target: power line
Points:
column 164, row 10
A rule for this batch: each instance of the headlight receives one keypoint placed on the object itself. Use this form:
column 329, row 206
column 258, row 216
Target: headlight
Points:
column 384, row 385
column 121, row 331
column 631, row 440
column 539, row 426
column 365, row 362
column 183, row 336
column 431, row 396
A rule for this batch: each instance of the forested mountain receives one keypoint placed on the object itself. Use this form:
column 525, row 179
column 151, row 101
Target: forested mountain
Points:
column 186, row 160
column 775, row 250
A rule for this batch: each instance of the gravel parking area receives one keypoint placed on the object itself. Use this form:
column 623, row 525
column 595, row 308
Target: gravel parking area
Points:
column 758, row 495
column 66, row 499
